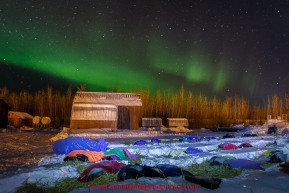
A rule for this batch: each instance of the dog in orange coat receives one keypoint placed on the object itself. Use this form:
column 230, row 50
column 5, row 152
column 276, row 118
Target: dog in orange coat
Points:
column 284, row 167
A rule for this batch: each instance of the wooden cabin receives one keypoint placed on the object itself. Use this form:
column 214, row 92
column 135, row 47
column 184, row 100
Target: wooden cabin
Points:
column 19, row 119
column 105, row 110
column 4, row 108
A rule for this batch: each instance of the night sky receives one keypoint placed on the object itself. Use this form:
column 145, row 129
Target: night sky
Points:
column 219, row 48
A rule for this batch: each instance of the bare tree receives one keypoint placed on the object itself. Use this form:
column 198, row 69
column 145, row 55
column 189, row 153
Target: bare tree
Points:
column 4, row 93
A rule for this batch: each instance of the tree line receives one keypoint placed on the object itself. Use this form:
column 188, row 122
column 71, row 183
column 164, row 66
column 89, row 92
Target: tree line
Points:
column 208, row 113
column 197, row 108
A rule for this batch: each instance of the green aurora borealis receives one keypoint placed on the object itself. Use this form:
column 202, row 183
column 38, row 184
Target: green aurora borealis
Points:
column 106, row 65
column 145, row 45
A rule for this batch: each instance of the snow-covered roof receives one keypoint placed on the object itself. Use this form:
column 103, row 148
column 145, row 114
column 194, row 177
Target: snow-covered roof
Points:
column 119, row 99
column 22, row 115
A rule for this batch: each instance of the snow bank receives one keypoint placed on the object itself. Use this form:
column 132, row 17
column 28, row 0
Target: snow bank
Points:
column 127, row 134
column 41, row 174
column 56, row 159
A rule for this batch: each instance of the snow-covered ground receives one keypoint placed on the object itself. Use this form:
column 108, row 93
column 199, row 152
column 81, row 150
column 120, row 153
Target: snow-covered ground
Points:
column 270, row 180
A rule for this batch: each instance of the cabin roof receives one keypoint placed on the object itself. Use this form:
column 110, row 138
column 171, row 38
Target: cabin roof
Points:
column 22, row 115
column 118, row 99
column 3, row 101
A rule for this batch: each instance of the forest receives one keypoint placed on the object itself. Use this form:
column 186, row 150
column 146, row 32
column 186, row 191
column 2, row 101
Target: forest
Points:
column 201, row 111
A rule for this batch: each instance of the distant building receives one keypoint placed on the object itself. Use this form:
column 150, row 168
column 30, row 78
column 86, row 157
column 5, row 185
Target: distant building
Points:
column 177, row 122
column 105, row 110
column 19, row 119
column 152, row 122
column 4, row 108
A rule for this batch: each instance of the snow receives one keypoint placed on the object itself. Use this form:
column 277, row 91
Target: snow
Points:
column 271, row 180
column 123, row 134
column 40, row 174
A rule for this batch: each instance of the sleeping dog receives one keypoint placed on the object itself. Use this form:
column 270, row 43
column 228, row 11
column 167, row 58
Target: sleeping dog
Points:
column 284, row 167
